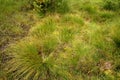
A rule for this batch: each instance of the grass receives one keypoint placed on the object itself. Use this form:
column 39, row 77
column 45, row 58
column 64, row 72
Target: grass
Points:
column 13, row 26
column 43, row 30
column 66, row 35
column 83, row 44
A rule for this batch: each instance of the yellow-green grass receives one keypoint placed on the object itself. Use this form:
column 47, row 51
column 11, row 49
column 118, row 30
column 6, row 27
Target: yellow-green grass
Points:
column 83, row 44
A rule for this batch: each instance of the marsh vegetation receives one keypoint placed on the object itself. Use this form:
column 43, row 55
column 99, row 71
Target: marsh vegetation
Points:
column 59, row 39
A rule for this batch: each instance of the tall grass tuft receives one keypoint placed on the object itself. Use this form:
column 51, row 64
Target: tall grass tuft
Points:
column 32, row 62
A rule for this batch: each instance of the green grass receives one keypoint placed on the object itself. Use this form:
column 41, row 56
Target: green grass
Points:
column 15, row 20
column 66, row 35
column 45, row 29
column 83, row 44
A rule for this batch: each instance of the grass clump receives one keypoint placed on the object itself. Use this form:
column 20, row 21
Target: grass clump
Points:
column 66, row 34
column 72, row 19
column 116, row 36
column 50, row 6
column 88, row 8
column 49, row 45
column 45, row 29
column 35, row 62
column 112, row 5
